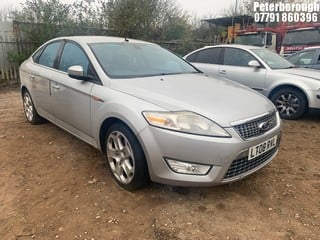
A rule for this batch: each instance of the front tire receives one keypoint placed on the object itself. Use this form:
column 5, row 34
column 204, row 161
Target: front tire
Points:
column 126, row 158
column 30, row 111
column 291, row 103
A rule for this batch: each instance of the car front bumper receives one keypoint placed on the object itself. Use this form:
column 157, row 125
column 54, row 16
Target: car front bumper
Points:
column 314, row 99
column 228, row 157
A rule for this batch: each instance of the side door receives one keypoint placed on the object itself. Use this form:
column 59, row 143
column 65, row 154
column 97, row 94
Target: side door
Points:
column 207, row 60
column 71, row 98
column 43, row 68
column 235, row 67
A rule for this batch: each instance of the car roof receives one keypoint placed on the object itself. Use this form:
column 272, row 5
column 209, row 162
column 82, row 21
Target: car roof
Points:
column 240, row 46
column 314, row 47
column 98, row 39
column 303, row 50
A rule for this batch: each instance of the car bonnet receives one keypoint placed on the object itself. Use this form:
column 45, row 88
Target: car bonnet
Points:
column 220, row 100
column 302, row 72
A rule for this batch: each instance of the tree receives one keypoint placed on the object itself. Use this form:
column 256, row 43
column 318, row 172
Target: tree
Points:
column 6, row 14
column 131, row 18
column 146, row 19
column 234, row 10
column 87, row 17
column 159, row 21
column 42, row 20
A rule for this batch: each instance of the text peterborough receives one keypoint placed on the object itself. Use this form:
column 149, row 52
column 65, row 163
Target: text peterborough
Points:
column 286, row 7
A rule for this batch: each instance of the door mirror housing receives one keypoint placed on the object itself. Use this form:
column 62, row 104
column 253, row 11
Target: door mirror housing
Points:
column 254, row 64
column 77, row 72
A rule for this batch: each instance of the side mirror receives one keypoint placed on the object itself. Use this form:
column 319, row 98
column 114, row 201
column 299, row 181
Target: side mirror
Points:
column 77, row 72
column 254, row 64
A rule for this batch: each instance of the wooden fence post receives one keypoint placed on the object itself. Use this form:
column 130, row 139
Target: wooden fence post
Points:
column 8, row 69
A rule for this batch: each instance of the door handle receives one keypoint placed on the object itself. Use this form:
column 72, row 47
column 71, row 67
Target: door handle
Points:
column 223, row 72
column 31, row 77
column 56, row 87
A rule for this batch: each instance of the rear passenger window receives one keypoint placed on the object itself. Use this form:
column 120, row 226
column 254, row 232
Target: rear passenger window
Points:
column 192, row 57
column 49, row 54
column 36, row 55
column 210, row 55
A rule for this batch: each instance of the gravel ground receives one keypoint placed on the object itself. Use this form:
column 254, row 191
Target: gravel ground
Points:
column 53, row 186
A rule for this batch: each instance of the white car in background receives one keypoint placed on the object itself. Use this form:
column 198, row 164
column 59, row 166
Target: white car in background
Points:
column 293, row 91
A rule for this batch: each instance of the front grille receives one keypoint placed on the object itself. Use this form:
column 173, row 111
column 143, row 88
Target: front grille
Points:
column 243, row 165
column 251, row 129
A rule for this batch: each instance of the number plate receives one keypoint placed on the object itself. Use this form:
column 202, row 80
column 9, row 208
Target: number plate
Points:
column 261, row 148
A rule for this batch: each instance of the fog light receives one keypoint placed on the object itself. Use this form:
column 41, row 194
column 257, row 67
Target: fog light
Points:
column 188, row 168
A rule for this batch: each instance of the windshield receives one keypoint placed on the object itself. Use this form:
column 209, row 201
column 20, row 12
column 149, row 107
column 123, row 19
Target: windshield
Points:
column 129, row 60
column 273, row 60
column 302, row 37
column 250, row 39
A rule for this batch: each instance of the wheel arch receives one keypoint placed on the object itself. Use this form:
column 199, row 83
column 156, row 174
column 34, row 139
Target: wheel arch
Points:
column 277, row 88
column 23, row 90
column 104, row 128
column 106, row 125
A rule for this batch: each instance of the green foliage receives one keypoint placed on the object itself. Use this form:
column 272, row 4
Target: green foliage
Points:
column 146, row 19
column 43, row 19
column 17, row 58
column 160, row 21
column 176, row 28
column 131, row 18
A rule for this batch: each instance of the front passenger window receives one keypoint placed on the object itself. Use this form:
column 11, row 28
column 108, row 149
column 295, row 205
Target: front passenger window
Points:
column 73, row 55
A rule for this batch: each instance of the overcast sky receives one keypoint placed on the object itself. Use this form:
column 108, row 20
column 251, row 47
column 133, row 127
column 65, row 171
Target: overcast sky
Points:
column 199, row 8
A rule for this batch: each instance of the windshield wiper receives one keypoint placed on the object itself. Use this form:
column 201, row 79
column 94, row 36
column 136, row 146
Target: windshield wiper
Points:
column 164, row 74
column 176, row 73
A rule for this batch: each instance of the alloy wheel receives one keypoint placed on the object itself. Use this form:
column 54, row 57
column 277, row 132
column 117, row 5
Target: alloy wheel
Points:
column 120, row 157
column 287, row 104
column 28, row 107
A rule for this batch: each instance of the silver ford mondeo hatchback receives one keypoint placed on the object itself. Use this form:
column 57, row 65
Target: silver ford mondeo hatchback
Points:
column 153, row 115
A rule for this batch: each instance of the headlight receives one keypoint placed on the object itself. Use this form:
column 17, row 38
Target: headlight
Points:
column 187, row 122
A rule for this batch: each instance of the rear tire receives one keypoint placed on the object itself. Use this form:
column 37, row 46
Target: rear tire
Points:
column 30, row 111
column 290, row 102
column 126, row 158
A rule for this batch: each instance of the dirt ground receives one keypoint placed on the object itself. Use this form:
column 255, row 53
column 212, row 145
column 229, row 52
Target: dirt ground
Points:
column 54, row 186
